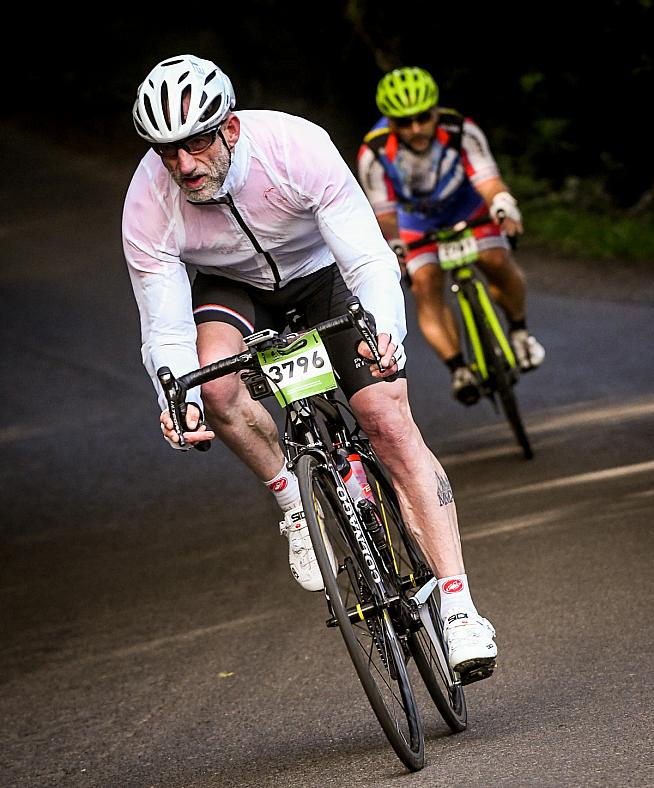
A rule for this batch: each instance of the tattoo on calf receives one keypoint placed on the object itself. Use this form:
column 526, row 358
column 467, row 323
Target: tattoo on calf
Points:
column 445, row 494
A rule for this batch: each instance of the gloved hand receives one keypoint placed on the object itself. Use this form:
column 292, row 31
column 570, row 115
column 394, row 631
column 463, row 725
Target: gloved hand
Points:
column 399, row 247
column 504, row 207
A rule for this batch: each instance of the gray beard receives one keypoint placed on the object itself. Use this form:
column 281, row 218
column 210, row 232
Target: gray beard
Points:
column 218, row 170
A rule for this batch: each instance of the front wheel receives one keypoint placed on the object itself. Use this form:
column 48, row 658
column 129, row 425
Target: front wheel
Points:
column 351, row 580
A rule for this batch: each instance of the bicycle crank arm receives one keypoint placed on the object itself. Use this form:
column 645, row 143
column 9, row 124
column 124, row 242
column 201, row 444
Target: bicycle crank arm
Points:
column 360, row 613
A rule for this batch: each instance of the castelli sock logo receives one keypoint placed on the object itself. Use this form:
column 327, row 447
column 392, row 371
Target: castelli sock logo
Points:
column 279, row 485
column 452, row 586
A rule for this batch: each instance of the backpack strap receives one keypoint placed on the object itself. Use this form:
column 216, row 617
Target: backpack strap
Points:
column 377, row 139
column 451, row 121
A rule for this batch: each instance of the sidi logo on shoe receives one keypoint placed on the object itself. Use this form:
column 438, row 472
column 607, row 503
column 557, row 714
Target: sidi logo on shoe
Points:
column 296, row 517
column 279, row 485
column 453, row 586
column 456, row 617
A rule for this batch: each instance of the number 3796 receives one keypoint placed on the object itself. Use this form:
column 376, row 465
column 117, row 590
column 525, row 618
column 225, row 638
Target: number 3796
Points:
column 287, row 369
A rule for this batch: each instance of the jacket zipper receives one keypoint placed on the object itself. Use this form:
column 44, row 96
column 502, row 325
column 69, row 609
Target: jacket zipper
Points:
column 229, row 201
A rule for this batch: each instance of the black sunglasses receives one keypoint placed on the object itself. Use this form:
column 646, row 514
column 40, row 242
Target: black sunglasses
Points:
column 196, row 144
column 421, row 117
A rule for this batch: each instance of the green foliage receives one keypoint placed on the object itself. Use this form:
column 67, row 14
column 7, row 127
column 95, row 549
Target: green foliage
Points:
column 580, row 234
column 579, row 221
column 580, row 217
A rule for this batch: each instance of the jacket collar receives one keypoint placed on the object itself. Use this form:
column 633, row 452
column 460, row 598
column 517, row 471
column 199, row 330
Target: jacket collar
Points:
column 238, row 169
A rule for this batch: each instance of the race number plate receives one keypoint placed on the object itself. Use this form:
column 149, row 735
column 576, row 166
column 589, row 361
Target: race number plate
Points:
column 453, row 254
column 300, row 370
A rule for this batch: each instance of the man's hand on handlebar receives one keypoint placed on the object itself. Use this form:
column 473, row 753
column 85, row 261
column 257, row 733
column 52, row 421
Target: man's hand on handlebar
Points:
column 195, row 433
column 505, row 212
column 386, row 350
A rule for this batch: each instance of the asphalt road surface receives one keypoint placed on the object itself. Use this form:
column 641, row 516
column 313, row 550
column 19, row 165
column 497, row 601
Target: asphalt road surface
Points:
column 151, row 632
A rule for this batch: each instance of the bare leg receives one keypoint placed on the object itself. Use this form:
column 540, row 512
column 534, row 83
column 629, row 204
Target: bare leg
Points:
column 435, row 317
column 243, row 424
column 421, row 484
column 506, row 281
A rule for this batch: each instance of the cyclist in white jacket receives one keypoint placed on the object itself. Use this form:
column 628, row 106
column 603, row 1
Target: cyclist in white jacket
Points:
column 230, row 220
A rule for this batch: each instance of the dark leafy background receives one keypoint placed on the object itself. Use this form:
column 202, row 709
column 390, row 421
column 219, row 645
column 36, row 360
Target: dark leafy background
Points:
column 557, row 94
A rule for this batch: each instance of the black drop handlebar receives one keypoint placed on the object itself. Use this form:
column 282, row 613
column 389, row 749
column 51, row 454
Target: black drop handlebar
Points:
column 175, row 388
column 449, row 233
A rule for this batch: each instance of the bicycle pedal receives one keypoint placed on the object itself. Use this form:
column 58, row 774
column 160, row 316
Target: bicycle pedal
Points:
column 476, row 672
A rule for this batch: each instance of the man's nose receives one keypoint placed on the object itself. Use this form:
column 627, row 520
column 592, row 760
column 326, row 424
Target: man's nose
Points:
column 185, row 161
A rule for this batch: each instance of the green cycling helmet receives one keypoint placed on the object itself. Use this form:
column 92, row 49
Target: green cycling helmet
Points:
column 406, row 91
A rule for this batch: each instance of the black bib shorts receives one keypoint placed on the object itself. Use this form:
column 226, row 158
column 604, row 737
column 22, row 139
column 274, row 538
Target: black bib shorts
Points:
column 315, row 298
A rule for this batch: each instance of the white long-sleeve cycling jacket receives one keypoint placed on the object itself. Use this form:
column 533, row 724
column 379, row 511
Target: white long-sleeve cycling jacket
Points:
column 301, row 203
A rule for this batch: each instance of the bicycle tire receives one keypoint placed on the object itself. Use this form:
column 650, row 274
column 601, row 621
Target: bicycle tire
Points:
column 499, row 375
column 370, row 638
column 410, row 566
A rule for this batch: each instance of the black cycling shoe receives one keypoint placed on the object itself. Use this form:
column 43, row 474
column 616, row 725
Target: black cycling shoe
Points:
column 464, row 386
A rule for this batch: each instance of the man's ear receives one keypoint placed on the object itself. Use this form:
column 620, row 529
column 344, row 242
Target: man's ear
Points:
column 232, row 130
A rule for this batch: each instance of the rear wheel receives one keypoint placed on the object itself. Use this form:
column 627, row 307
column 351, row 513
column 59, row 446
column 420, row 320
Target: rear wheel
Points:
column 405, row 560
column 352, row 585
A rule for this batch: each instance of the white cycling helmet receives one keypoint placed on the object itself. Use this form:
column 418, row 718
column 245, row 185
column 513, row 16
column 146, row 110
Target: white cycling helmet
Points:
column 159, row 107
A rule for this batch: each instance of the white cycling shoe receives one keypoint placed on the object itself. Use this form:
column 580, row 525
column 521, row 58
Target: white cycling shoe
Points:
column 471, row 650
column 301, row 556
column 528, row 350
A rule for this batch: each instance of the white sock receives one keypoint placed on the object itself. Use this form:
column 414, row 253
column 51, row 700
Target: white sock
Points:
column 455, row 595
column 285, row 488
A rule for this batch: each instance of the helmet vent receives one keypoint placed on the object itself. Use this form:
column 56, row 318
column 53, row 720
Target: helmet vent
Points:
column 148, row 109
column 164, row 104
column 183, row 77
column 209, row 78
column 172, row 62
column 212, row 109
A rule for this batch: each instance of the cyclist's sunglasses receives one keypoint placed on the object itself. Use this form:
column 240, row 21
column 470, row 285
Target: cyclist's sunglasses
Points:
column 198, row 143
column 421, row 117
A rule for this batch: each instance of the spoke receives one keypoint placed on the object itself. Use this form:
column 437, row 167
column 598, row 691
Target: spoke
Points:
column 386, row 680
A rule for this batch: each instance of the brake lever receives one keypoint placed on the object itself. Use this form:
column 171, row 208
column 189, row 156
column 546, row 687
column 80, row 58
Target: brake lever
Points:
column 174, row 394
column 200, row 445
column 360, row 320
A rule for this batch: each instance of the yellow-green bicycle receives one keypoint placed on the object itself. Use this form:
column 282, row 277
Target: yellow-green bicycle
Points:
column 487, row 350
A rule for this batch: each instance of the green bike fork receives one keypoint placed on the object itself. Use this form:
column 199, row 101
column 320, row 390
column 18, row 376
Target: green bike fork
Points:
column 471, row 326
column 494, row 323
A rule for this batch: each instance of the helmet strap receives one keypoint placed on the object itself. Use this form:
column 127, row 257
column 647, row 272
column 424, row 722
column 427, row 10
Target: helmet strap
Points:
column 222, row 137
